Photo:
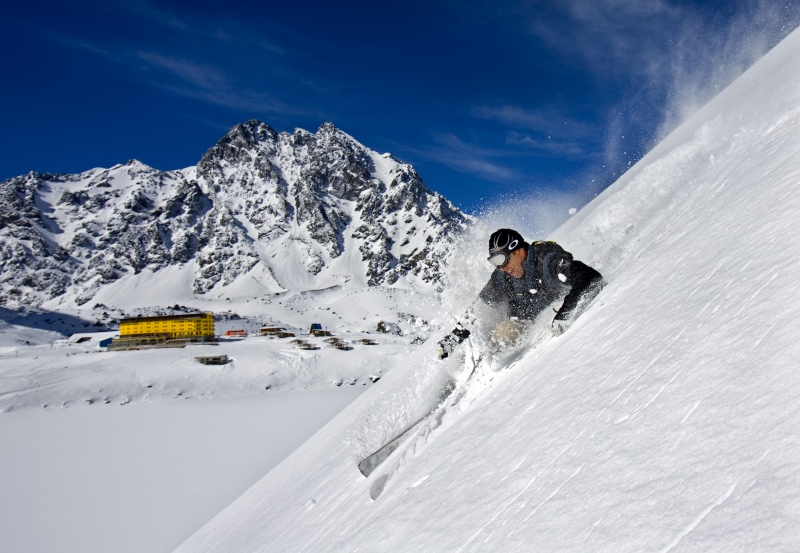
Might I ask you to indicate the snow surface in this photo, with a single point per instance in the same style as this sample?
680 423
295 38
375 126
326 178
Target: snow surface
666 419
142 477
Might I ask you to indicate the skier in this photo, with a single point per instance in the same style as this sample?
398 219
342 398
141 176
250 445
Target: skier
528 278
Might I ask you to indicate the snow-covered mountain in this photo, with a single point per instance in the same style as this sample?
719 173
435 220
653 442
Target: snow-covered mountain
667 417
287 212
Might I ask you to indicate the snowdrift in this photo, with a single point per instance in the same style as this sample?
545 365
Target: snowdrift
665 419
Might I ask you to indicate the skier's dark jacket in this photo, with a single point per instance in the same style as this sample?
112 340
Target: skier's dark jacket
550 275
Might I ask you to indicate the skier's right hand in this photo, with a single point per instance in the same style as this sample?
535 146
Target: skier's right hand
445 349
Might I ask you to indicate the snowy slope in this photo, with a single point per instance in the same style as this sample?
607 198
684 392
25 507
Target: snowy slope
666 419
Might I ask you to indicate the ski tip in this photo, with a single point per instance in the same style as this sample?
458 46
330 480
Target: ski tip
368 466
377 487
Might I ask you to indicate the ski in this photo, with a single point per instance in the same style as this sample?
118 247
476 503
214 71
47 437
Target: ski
368 465
428 423
490 360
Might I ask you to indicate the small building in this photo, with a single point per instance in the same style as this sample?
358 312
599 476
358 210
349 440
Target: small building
316 330
236 333
105 343
341 345
95 339
212 359
307 345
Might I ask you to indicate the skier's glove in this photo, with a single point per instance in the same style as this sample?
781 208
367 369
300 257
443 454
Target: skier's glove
449 342
560 325
445 349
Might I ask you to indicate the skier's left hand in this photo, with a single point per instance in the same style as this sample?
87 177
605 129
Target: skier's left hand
449 342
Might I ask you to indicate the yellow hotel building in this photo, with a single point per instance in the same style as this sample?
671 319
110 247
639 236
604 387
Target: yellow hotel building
170 327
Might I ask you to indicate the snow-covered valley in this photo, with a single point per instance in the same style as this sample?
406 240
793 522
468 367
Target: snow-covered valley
144 476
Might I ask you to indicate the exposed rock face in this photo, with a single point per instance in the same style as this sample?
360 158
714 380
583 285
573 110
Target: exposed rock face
307 210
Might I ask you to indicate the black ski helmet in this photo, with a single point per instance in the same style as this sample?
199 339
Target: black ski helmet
501 243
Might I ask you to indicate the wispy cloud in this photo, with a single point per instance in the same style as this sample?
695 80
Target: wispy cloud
672 55
226 30
611 37
548 146
203 76
607 38
150 12
548 130
170 62
728 48
86 46
542 119
468 158
211 84
667 57
199 81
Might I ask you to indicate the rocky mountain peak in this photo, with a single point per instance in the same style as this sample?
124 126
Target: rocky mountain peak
299 211
241 141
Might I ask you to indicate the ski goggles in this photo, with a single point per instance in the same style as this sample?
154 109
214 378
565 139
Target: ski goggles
499 258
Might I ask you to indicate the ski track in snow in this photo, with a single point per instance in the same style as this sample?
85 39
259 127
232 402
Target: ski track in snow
748 304
655 397
696 522
692 410
766 333
514 500
553 494
638 376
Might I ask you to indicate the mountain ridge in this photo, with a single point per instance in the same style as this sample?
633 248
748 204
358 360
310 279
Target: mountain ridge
297 211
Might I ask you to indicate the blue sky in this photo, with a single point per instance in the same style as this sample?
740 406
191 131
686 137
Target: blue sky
488 100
